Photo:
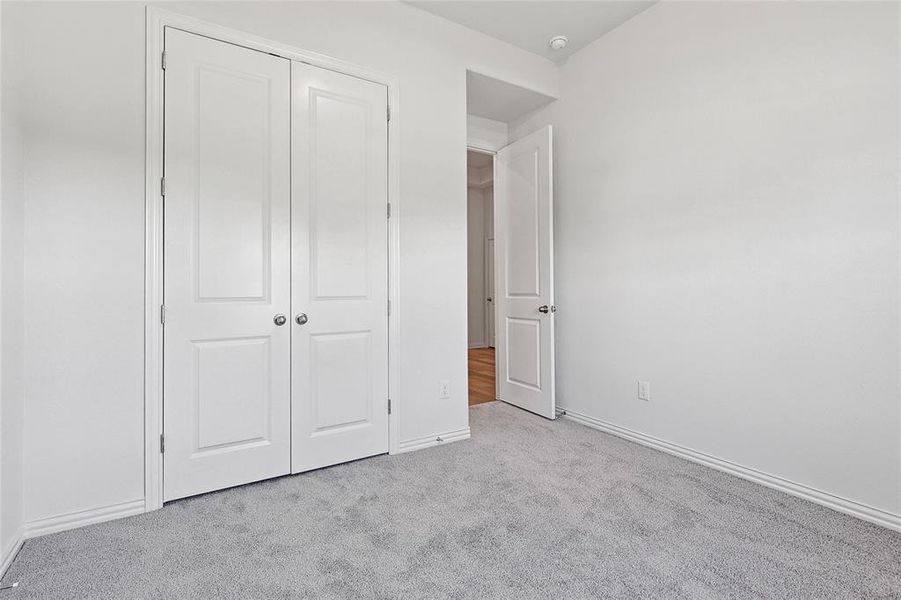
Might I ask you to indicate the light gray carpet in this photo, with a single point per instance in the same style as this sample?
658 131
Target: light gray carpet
528 508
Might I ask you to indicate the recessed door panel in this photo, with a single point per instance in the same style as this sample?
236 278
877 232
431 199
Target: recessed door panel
339 250
231 393
524 355
227 265
339 128
524 213
232 192
341 390
523 242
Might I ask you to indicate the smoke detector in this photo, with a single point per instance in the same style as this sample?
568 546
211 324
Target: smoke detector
558 42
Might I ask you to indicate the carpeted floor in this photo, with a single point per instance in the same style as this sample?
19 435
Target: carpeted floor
528 508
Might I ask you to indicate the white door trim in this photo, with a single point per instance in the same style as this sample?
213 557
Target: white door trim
157 20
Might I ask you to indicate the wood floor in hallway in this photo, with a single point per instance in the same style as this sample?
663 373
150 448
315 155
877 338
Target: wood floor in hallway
481 375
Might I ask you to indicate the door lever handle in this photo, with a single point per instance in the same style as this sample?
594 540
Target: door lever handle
545 309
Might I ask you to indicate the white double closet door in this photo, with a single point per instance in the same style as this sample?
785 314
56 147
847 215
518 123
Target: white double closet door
276 296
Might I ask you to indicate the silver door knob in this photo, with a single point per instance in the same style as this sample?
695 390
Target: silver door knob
301 319
545 309
280 319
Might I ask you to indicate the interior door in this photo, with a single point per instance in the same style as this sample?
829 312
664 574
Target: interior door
340 265
524 233
227 272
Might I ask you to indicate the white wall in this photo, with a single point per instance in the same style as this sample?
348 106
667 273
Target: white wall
728 229
84 169
11 287
84 229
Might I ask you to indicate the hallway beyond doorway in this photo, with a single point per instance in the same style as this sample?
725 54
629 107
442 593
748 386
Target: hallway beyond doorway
481 376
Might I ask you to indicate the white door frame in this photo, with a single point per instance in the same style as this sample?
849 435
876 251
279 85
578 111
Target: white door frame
157 20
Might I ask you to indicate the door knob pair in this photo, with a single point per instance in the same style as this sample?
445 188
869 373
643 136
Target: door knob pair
281 319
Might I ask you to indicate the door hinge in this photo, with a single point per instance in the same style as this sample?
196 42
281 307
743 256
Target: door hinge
162 444
389 210
389 308
388 112
163 60
389 406
163 314
162 186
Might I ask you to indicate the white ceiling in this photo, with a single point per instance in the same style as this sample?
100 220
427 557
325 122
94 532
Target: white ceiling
531 24
495 99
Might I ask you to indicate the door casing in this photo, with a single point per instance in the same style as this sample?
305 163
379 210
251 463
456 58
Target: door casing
156 20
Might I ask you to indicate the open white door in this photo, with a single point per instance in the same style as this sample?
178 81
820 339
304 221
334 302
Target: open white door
524 234
227 265
340 264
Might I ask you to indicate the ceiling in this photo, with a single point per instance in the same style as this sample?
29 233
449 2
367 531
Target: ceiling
495 99
530 25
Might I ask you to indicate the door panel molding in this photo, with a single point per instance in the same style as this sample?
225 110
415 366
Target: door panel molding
157 19
206 440
324 420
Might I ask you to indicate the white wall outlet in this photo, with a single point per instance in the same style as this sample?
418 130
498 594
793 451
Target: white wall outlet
644 391
444 389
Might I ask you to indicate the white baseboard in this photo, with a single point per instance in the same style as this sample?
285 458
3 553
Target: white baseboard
73 520
433 440
849 507
478 345
9 554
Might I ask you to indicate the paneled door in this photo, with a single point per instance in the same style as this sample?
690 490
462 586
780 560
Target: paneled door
523 232
340 266
227 265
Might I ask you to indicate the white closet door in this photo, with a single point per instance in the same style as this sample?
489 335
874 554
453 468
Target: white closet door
227 271
340 267
524 231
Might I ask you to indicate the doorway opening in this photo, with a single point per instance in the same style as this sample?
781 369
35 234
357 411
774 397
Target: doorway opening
510 235
480 285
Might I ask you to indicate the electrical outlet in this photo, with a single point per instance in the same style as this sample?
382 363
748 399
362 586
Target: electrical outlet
644 391
444 389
